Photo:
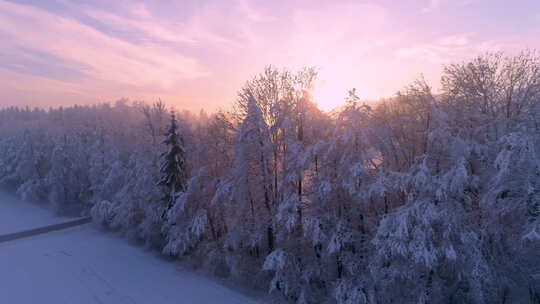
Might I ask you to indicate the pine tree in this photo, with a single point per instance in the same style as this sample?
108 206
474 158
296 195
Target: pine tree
173 165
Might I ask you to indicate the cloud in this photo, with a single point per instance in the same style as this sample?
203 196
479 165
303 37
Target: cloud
144 25
346 29
204 51
24 88
34 62
436 4
433 4
456 40
126 50
195 31
251 13
107 58
437 52
455 47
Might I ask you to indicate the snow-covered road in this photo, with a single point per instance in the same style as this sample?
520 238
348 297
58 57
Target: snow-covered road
83 265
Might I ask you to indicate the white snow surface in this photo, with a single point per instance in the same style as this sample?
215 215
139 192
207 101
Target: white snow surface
84 265
17 215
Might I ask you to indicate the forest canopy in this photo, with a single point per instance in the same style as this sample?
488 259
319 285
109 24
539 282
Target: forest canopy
418 198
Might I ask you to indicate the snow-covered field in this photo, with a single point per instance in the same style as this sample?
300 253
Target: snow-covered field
16 215
83 265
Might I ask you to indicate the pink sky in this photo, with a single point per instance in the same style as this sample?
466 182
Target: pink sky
197 54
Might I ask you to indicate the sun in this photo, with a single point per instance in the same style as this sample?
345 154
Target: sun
329 90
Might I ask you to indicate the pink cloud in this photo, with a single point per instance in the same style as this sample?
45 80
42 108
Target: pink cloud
202 57
433 4
110 59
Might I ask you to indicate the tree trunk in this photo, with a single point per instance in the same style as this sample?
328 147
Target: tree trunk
270 233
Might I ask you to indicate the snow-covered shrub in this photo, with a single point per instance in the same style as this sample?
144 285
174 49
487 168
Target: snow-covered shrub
102 214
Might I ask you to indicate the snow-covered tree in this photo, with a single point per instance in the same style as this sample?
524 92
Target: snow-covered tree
416 198
173 164
246 193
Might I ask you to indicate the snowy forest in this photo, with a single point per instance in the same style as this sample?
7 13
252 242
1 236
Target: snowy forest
418 198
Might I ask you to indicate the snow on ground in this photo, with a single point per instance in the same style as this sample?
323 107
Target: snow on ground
17 215
83 265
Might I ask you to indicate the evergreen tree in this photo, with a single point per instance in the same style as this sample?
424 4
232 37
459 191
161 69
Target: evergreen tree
173 165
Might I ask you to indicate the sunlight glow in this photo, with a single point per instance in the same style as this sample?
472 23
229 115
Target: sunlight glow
329 94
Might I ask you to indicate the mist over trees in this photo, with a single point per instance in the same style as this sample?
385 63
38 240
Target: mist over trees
419 198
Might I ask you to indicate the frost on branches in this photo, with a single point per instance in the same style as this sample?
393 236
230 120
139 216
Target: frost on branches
419 198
